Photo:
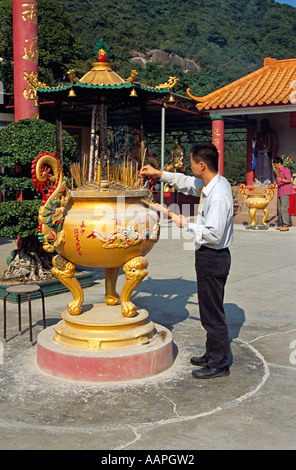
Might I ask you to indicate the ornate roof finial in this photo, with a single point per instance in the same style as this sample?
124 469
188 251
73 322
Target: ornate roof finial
101 51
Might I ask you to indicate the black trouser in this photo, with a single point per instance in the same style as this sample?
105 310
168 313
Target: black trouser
212 268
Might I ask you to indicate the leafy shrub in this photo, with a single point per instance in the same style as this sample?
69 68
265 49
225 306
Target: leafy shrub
19 218
20 143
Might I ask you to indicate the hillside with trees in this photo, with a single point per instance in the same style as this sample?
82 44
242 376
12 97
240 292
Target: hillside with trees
227 39
222 40
58 46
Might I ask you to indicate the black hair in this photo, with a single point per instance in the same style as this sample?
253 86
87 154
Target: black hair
278 160
207 153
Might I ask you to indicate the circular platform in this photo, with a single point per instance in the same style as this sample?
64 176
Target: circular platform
136 360
101 327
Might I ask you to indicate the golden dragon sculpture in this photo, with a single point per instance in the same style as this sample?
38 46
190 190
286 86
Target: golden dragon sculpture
48 179
55 195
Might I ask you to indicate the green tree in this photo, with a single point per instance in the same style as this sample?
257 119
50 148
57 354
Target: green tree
20 143
235 165
228 39
59 49
6 45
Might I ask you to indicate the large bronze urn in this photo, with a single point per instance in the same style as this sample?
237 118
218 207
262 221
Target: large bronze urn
104 222
257 197
109 227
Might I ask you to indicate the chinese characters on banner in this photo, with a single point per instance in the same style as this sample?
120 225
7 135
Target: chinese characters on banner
25 52
218 141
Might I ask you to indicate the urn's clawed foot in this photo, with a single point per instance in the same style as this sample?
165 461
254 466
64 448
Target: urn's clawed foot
135 271
74 307
253 211
111 276
266 213
64 270
128 309
112 299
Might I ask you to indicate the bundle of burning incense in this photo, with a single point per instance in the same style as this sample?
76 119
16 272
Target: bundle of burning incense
143 157
115 173
84 168
99 173
75 173
160 208
125 173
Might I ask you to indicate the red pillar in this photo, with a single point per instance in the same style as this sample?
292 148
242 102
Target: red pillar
251 135
218 140
25 57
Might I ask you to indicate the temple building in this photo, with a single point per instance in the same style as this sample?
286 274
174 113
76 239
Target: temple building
263 103
268 93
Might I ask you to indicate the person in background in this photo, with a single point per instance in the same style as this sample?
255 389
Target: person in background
213 233
285 188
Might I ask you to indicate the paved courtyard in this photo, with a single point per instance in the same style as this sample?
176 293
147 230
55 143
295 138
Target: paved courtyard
253 408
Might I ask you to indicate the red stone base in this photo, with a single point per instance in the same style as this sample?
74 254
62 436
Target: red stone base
105 366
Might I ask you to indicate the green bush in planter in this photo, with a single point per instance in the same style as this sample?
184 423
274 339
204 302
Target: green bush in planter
20 143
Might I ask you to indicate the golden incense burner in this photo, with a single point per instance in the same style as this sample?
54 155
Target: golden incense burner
106 221
257 197
106 225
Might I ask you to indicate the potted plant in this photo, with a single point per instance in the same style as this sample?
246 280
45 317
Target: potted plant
20 142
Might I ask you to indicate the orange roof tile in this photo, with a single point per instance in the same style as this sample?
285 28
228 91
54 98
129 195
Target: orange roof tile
269 85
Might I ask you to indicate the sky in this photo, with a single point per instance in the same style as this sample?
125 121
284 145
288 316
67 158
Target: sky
289 2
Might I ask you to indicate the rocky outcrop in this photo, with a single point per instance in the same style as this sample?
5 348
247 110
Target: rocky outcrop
157 55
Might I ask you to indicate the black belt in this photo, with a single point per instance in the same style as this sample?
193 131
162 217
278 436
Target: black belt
221 250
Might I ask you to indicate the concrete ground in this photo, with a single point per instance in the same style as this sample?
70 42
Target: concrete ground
253 408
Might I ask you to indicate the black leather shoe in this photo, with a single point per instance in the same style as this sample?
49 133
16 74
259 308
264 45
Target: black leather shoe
198 361
210 372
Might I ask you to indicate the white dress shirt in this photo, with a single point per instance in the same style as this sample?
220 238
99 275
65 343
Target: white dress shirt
213 226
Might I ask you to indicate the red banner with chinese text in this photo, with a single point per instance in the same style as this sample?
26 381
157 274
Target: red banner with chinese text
25 56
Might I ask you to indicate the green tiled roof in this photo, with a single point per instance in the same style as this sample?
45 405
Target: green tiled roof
68 86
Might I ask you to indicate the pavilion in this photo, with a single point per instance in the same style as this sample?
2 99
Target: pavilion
269 93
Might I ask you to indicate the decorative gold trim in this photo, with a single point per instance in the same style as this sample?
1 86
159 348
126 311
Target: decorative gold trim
169 84
30 13
132 77
31 52
32 79
72 76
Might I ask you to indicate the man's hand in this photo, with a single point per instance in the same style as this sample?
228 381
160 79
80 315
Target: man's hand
180 220
148 170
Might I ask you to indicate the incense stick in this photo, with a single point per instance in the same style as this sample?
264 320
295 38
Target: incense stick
75 173
160 208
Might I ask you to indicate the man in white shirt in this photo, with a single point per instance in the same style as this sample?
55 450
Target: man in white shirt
213 232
